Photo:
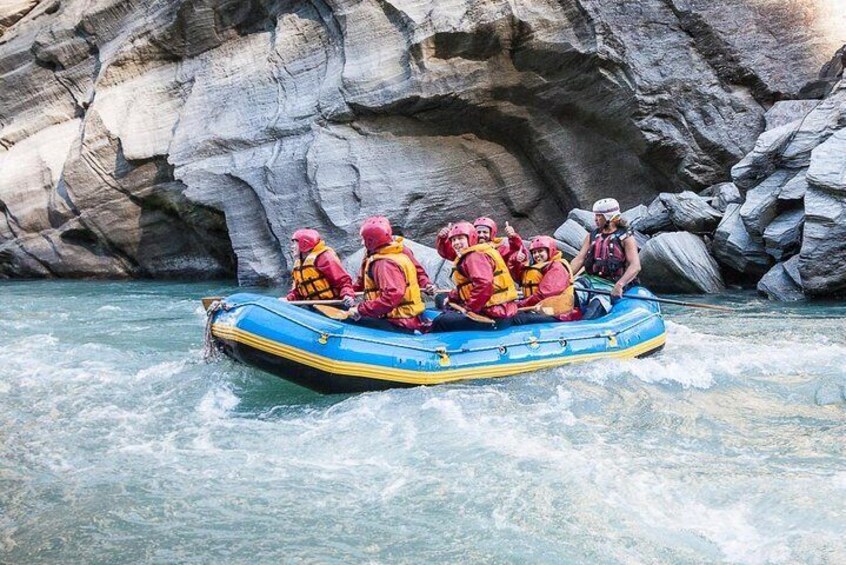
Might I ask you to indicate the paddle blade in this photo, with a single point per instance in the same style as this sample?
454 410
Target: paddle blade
209 300
332 312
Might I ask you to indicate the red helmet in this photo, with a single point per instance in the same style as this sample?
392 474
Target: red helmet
544 242
306 239
486 222
466 229
376 232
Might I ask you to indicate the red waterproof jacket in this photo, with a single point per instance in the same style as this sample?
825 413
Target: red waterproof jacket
392 286
480 269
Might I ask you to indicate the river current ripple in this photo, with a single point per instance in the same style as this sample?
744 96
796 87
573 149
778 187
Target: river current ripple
119 444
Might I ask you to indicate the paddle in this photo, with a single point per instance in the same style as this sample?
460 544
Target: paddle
332 312
550 305
472 315
315 302
661 300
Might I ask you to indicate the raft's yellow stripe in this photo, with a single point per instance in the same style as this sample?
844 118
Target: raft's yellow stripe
352 369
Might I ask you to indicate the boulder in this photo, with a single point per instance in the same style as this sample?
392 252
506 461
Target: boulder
784 112
572 233
584 218
795 188
568 251
826 118
761 204
679 262
634 214
783 236
656 219
822 260
690 212
736 249
765 157
791 267
777 284
436 266
721 195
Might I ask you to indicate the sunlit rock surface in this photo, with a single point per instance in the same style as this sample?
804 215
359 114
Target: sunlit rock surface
166 138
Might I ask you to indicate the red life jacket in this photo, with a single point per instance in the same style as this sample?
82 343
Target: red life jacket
606 256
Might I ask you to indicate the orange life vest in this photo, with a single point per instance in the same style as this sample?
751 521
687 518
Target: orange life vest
504 288
412 302
309 282
533 275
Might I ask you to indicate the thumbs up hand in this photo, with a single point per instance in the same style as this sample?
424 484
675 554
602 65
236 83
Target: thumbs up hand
509 231
445 231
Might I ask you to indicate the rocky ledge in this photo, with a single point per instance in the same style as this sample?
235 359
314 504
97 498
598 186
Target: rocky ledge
780 224
190 137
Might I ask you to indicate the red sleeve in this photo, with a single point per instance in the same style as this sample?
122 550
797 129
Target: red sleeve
515 243
422 277
329 264
292 295
554 282
392 284
478 268
445 249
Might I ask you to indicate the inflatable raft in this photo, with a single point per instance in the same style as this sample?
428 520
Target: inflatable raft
329 356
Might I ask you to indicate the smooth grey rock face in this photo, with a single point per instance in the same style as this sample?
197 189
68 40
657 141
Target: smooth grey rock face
175 138
823 256
761 205
572 233
826 118
778 285
735 248
690 212
763 160
795 188
656 219
784 112
633 215
584 218
783 236
679 262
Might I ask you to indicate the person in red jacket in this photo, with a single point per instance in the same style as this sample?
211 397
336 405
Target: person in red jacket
392 299
483 284
423 281
511 249
317 273
548 276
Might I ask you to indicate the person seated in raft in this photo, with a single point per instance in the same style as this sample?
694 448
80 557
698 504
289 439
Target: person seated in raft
423 281
609 256
392 299
318 273
511 249
549 275
483 284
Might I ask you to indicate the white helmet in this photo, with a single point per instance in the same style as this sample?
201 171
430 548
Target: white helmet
608 207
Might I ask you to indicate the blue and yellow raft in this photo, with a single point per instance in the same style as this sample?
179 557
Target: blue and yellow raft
329 356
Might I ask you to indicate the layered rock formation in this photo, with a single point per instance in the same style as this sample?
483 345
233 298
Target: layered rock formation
174 138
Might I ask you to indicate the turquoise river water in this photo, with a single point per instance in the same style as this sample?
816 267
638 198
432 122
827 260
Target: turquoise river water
119 444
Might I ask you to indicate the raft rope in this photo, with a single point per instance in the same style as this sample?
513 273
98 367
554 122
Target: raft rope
324 335
211 352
